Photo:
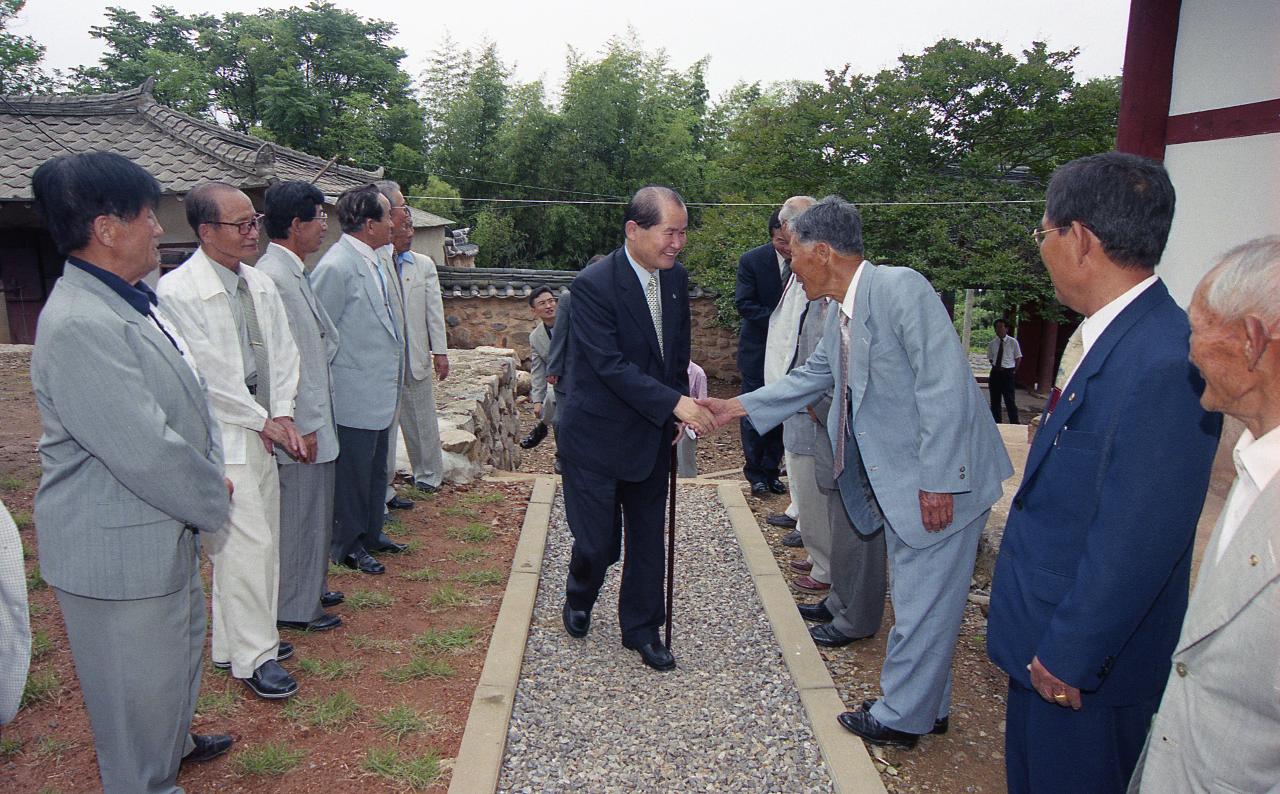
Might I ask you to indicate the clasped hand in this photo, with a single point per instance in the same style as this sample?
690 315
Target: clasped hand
280 430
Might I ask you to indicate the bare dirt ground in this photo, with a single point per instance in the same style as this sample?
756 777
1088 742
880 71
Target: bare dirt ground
383 699
969 757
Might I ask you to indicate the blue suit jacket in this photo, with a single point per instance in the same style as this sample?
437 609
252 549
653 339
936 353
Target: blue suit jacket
1093 570
618 408
756 294
918 420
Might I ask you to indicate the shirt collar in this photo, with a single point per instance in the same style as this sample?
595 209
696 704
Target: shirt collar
641 273
230 279
362 248
405 256
292 257
1259 459
851 294
139 295
1093 325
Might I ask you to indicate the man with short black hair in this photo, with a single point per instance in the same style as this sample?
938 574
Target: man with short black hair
295 221
1091 582
131 470
542 395
1005 354
357 293
238 330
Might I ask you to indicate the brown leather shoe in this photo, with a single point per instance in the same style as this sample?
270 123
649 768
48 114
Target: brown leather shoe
808 584
801 566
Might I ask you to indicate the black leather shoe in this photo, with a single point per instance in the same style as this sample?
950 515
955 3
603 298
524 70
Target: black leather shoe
656 655
271 681
323 623
208 747
869 728
829 636
535 436
424 487
759 489
283 651
940 725
363 563
793 540
816 612
576 621
388 546
398 502
332 598
780 520
776 486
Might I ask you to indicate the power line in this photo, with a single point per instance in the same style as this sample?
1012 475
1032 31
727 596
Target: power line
539 202
424 172
36 124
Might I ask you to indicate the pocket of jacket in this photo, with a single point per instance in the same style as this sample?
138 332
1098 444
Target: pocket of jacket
122 513
1078 440
1050 586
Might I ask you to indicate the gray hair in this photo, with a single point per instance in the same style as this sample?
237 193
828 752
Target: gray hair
386 187
833 221
1247 281
793 206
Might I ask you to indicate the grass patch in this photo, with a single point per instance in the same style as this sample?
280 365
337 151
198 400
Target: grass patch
484 498
37 610
447 596
40 644
415 771
433 641
40 687
11 482
475 532
403 720
411 546
34 580
329 713
274 758
394 526
487 577
328 669
339 570
21 519
416 494
10 747
218 704
458 511
51 748
363 642
368 599
417 668
421 575
470 555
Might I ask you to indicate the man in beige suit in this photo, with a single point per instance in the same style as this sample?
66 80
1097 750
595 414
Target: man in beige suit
1218 727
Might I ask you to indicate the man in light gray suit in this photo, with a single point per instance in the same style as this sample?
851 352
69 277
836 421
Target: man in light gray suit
1218 726
132 470
358 296
294 219
916 452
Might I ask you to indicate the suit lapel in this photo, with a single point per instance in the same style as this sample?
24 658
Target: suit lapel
635 300
1251 561
860 337
372 290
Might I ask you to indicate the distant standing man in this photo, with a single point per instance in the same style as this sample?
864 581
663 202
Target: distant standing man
628 375
1091 582
295 221
239 334
542 393
761 273
132 469
357 293
1005 354
1218 728
915 453
428 357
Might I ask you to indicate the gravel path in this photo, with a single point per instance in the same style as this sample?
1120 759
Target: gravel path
589 716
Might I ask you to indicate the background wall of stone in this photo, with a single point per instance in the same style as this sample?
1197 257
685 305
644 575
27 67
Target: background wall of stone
505 322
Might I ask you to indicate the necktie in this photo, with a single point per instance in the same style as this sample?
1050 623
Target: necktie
655 309
263 395
786 270
999 363
843 396
1070 357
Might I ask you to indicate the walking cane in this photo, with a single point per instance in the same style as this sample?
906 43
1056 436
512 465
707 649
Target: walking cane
671 544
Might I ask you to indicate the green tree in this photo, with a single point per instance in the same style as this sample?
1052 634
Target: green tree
495 233
20 56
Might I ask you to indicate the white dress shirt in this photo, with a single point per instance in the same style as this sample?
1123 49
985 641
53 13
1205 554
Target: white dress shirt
1008 356
194 297
1093 326
1257 463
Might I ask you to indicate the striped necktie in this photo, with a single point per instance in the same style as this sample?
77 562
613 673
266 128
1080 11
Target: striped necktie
655 309
259 348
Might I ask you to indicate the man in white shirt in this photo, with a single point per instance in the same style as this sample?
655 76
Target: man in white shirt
236 326
1218 728
1005 354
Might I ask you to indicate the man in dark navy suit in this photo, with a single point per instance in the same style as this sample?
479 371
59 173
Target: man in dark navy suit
1091 583
628 386
759 287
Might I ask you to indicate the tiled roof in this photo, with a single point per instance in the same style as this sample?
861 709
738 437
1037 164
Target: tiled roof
179 150
513 282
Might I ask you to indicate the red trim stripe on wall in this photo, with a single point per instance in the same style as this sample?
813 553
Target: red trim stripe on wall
1255 118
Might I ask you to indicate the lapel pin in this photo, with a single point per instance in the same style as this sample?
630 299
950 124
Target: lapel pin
1071 396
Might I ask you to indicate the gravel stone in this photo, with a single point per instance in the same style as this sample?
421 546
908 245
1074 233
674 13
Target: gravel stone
589 716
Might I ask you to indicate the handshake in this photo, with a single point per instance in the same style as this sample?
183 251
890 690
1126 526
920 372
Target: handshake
708 414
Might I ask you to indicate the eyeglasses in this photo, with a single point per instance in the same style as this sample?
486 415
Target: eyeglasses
1038 234
319 216
402 208
244 227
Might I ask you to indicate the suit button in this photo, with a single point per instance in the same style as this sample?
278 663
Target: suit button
1182 669
962 469
962 476
1253 559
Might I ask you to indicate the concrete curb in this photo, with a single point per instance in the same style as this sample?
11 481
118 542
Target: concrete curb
484 741
848 762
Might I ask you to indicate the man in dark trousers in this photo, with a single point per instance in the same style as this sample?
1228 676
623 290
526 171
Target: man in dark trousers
1005 354
761 273
628 386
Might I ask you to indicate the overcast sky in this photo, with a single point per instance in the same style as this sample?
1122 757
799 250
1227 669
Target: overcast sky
746 39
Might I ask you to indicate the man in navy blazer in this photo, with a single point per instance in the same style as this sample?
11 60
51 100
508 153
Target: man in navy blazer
628 384
1091 582
756 294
